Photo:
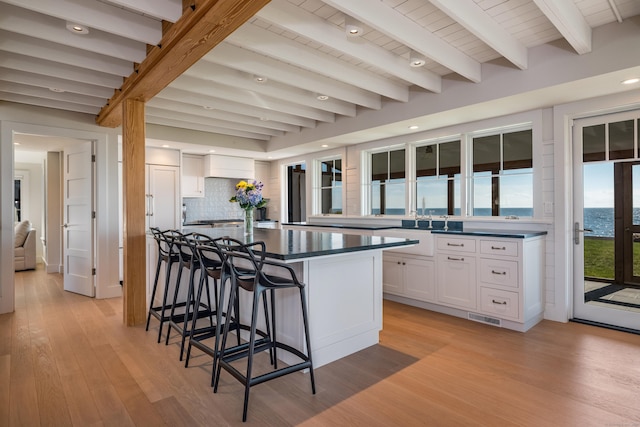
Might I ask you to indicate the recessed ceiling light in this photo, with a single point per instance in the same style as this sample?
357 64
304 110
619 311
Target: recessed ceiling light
260 79
165 145
212 151
416 59
324 145
264 119
322 97
77 28
207 107
414 127
56 89
269 157
352 27
16 143
630 81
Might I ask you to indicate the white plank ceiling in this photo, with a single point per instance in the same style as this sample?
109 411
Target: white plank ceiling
298 47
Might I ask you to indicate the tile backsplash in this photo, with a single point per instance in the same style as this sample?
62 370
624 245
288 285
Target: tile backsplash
215 203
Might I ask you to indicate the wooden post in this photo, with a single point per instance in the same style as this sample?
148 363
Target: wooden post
133 189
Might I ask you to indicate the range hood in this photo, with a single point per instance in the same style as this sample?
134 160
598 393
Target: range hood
228 167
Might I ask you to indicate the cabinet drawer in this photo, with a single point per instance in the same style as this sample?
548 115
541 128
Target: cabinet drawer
498 247
500 303
499 272
456 244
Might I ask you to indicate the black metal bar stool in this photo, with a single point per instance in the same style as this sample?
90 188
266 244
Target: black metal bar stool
246 264
185 246
165 255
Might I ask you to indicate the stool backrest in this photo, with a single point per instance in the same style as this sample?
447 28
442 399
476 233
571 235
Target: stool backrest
244 261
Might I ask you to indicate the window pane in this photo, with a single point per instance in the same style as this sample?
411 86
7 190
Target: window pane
593 143
376 197
394 197
426 160
482 194
432 194
396 164
379 166
338 170
486 153
326 166
516 193
332 200
516 150
621 140
449 153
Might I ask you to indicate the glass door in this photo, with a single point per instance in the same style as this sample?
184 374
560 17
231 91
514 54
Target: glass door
607 220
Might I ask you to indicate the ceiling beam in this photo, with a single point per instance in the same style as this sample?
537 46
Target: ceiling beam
295 19
62 71
208 71
42 27
99 15
385 19
45 93
43 49
49 103
197 100
204 128
166 10
254 63
243 96
188 40
468 14
286 50
48 82
568 19
218 114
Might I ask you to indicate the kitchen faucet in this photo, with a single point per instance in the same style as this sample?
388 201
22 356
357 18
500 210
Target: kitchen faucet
430 219
446 218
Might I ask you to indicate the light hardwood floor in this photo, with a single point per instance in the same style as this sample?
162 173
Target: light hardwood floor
68 360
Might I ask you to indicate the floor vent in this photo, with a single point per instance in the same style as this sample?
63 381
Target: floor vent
485 319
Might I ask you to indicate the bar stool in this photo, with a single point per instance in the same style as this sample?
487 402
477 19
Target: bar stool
165 255
214 266
185 246
255 280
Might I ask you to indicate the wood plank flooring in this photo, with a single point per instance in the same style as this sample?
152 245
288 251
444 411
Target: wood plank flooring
67 360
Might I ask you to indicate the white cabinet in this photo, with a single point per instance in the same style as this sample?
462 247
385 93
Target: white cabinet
192 175
228 167
510 277
409 276
456 279
163 196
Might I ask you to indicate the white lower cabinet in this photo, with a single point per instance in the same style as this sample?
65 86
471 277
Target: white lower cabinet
495 280
457 280
409 276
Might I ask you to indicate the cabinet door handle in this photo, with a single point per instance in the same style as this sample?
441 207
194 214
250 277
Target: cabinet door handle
455 259
502 273
399 263
459 245
496 248
499 302
404 263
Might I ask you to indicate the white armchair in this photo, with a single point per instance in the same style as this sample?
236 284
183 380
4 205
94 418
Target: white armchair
24 246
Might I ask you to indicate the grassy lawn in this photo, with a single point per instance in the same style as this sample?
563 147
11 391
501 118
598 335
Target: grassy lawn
599 258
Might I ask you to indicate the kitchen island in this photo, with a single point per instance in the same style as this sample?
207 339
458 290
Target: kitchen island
343 277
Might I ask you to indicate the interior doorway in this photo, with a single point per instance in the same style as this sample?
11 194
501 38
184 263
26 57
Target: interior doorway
607 220
296 193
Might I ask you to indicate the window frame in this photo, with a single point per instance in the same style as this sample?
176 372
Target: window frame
318 187
367 182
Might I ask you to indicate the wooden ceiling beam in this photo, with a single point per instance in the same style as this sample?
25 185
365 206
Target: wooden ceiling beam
198 31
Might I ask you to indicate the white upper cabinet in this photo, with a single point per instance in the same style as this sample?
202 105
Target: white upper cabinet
228 167
192 175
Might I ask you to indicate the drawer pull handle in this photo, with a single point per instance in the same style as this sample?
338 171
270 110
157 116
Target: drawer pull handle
459 245
499 302
497 248
455 259
501 273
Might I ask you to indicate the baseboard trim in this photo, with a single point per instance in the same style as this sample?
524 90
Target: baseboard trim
606 326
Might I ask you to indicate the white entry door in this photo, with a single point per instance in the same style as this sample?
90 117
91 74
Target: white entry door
77 217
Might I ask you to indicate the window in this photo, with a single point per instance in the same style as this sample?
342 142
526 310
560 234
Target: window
438 178
387 193
330 186
503 174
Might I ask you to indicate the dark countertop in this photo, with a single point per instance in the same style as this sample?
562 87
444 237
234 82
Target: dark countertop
455 228
519 234
296 244
213 221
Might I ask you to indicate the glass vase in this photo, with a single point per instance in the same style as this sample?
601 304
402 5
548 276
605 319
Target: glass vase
248 222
